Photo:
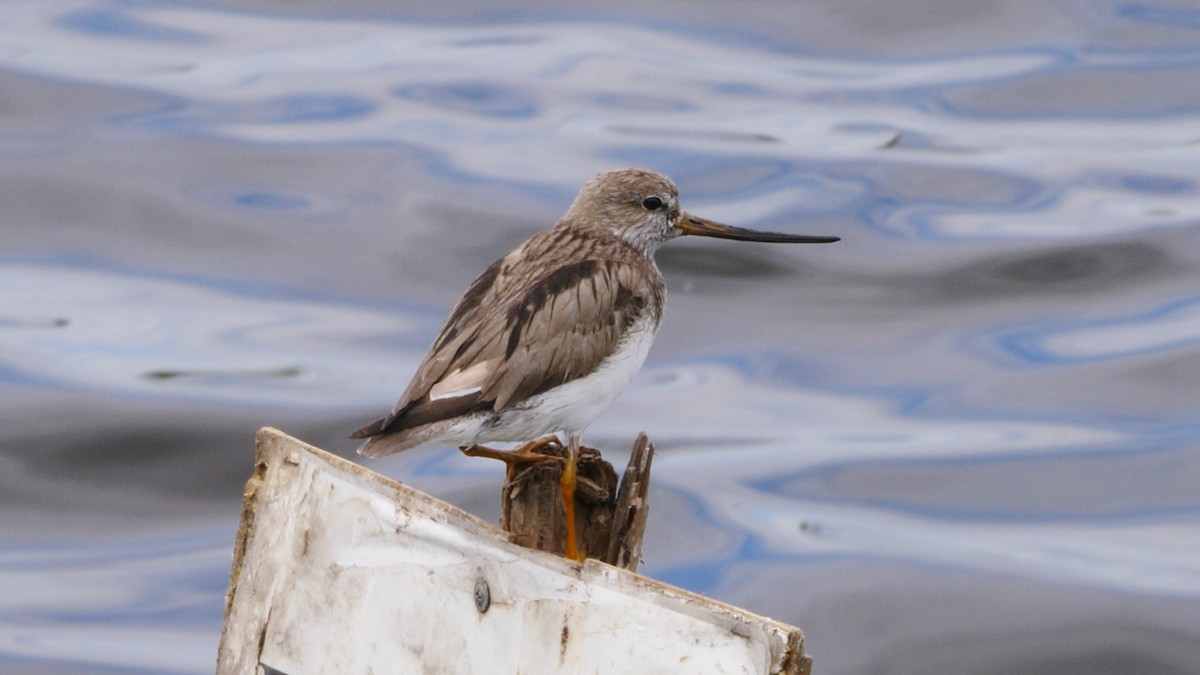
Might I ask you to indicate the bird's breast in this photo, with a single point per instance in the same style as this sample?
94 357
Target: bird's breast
572 406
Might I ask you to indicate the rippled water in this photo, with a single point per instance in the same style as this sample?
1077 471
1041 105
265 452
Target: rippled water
965 439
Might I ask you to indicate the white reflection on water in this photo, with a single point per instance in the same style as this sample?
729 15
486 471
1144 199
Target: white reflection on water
1145 555
144 604
696 405
138 334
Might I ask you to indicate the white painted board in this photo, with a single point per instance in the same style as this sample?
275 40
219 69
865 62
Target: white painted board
340 570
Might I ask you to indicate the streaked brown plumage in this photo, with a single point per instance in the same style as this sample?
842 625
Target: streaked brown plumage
534 329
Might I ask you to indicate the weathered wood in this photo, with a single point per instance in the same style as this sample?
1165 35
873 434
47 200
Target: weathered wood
610 519
340 570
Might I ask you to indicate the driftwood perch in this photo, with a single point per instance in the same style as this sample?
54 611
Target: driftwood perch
340 570
610 519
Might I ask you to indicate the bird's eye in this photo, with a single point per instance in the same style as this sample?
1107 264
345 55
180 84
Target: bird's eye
652 203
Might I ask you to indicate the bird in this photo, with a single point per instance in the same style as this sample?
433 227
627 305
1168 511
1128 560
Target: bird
548 336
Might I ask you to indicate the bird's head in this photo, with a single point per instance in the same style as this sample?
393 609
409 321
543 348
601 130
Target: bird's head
642 208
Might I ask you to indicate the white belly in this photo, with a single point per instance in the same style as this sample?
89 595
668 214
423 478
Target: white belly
568 408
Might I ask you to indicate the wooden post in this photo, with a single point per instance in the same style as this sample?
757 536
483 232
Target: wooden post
609 519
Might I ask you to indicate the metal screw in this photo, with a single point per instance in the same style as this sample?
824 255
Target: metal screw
483 595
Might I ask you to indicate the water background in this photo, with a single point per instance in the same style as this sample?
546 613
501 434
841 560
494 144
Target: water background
966 439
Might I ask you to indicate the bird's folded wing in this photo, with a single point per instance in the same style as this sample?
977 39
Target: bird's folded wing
566 326
500 346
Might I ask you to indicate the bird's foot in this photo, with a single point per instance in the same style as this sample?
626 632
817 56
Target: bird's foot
525 454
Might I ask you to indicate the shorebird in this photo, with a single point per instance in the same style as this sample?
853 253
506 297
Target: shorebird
544 340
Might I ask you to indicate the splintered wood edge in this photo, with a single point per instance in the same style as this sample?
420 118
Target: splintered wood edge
273 446
633 507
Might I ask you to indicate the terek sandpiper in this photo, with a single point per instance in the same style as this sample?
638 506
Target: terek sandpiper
544 340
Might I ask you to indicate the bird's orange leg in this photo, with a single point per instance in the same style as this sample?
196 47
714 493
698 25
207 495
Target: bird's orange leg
574 552
526 454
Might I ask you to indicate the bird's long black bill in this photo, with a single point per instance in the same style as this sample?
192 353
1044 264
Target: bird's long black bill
702 227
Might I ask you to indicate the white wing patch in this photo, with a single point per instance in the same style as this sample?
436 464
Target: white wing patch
463 381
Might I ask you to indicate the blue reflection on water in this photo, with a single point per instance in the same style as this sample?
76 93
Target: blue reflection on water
267 200
185 117
480 98
1174 17
308 108
1153 183
113 23
1171 326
